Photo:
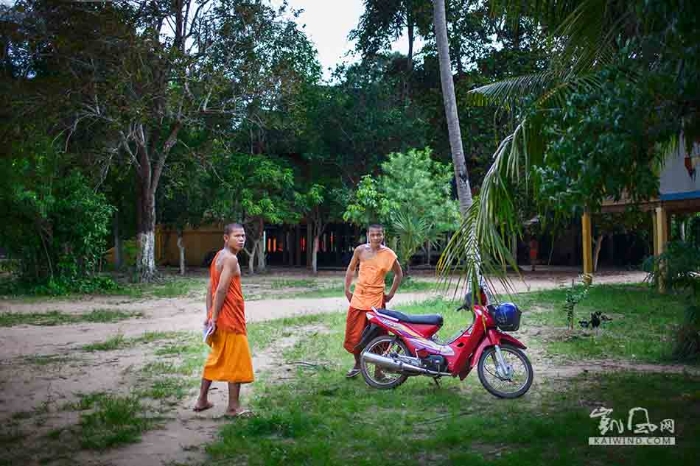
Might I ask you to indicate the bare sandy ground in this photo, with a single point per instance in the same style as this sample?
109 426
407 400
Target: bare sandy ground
186 314
26 386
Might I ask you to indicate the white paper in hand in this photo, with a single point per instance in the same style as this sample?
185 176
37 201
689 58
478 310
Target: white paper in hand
207 331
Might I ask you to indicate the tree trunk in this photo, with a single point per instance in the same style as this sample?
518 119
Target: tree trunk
682 229
428 252
118 250
145 260
262 263
596 252
289 247
309 244
314 256
448 95
181 247
251 256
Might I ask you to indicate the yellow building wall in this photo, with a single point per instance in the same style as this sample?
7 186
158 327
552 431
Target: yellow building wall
198 243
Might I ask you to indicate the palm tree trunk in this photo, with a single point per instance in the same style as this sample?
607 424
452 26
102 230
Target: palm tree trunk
448 96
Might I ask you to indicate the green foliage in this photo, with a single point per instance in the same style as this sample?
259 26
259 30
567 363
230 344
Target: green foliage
678 266
413 231
253 187
412 197
55 223
368 204
600 146
574 295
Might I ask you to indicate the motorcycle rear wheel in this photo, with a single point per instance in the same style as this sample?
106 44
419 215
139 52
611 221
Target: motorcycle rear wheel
381 377
499 386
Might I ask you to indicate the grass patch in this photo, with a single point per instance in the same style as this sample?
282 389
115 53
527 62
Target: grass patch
294 283
150 337
641 329
46 360
51 318
322 418
116 421
113 343
170 387
118 341
166 287
86 401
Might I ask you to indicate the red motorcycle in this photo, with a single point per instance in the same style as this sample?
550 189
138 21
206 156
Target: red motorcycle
397 346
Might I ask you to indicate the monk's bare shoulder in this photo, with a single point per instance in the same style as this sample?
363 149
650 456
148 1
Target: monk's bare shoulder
231 260
361 251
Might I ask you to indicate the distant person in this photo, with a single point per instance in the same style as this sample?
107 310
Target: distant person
375 261
229 359
534 252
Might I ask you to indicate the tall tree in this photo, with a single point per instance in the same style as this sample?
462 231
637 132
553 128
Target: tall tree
613 56
143 71
450 100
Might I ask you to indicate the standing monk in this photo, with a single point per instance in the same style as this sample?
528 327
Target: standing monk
375 261
229 359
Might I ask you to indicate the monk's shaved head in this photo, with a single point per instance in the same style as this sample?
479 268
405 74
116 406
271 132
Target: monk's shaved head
228 229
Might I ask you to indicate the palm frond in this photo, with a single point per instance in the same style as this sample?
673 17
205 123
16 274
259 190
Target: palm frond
478 249
508 90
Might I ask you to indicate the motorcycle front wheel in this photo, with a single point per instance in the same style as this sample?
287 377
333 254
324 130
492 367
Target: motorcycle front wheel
381 377
512 385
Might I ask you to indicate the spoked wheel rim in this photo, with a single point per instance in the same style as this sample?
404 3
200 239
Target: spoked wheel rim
381 377
511 385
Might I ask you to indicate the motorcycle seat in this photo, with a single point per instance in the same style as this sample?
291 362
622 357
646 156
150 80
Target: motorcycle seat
426 319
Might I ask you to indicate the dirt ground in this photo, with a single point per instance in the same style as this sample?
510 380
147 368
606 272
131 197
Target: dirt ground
28 382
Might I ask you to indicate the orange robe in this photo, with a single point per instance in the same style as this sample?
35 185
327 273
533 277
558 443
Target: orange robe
229 359
369 292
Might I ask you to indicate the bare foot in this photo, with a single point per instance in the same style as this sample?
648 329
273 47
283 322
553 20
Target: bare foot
202 407
240 412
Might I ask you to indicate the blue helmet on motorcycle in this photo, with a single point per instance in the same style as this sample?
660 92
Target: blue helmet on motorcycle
507 317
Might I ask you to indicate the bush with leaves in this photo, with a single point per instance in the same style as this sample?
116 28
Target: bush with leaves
411 197
55 224
574 295
679 268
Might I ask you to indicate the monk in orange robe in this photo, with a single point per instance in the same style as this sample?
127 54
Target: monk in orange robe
375 261
229 359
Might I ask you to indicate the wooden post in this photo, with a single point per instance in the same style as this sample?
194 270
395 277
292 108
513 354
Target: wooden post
654 235
586 231
297 246
661 238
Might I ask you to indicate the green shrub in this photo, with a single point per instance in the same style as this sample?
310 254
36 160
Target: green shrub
54 222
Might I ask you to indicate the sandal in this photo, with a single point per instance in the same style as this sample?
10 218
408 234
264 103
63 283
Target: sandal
352 373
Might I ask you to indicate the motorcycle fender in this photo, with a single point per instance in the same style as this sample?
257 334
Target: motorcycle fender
508 339
494 338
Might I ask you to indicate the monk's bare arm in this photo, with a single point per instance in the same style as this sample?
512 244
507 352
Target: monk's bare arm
229 270
209 297
398 276
208 303
350 272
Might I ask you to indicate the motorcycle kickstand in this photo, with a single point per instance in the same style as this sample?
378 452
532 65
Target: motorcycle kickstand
435 379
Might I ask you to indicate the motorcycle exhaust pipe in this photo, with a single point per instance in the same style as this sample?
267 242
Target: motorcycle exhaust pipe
398 366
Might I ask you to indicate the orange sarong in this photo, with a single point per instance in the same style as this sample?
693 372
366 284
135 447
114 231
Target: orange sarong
229 359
